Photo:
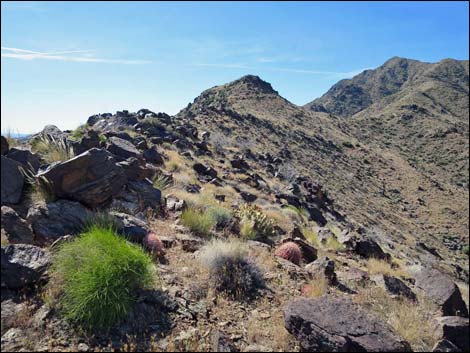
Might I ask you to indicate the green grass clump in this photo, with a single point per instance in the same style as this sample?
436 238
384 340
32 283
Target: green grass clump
198 221
99 274
162 182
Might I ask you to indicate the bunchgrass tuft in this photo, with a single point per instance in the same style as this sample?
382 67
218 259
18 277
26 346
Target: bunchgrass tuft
199 222
99 274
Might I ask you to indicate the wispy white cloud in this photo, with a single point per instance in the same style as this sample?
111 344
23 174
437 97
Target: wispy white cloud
87 56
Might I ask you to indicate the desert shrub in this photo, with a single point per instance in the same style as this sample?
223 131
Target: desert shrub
99 274
220 215
247 228
230 270
289 251
52 149
301 214
311 236
162 182
103 138
251 216
78 133
198 221
333 244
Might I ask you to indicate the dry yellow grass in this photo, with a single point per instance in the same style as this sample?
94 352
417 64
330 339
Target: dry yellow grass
375 266
317 287
410 320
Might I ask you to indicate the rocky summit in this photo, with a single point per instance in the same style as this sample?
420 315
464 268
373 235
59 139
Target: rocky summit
246 223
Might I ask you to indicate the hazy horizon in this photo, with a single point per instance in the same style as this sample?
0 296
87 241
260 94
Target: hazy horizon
62 62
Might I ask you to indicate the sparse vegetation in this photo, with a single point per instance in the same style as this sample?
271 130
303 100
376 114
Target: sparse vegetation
220 215
230 270
162 182
199 222
376 266
52 149
99 274
316 287
254 222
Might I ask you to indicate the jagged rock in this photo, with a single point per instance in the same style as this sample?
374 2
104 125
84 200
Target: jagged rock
12 181
454 329
394 286
23 265
10 312
90 140
53 220
295 272
122 149
27 159
132 228
91 177
17 230
239 163
153 156
333 324
248 197
136 197
316 214
4 146
364 246
203 170
175 204
443 291
323 267
51 131
136 170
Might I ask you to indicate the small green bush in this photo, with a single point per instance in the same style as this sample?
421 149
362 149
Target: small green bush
199 222
99 274
251 216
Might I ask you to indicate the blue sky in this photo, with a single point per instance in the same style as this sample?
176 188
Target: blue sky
63 61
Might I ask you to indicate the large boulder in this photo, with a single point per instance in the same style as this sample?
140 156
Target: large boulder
23 265
394 286
16 229
27 159
136 170
91 177
331 324
53 220
122 148
443 291
12 181
4 146
454 329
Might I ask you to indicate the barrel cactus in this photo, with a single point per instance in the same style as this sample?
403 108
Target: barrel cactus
153 244
289 251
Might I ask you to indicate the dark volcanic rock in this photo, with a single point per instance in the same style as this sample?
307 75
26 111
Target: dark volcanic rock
454 329
23 265
27 159
122 148
130 227
329 324
12 181
16 228
136 170
56 219
91 178
443 291
324 267
4 146
151 155
203 170
394 286
445 346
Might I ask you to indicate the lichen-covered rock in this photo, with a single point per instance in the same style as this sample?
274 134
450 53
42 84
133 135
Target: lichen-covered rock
91 178
12 181
53 220
443 291
330 324
289 251
23 265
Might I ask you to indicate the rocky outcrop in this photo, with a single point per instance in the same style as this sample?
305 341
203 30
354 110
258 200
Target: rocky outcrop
23 265
53 220
454 329
443 291
91 178
151 155
330 324
394 286
323 267
12 181
16 229
130 227
122 149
